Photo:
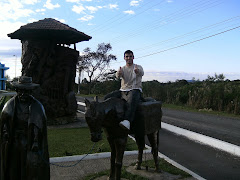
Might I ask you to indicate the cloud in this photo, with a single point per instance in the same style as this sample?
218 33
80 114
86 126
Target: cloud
134 3
30 1
49 5
86 18
165 76
129 12
32 20
77 1
112 6
8 27
13 62
61 20
92 9
73 1
90 24
13 10
78 9
40 10
7 56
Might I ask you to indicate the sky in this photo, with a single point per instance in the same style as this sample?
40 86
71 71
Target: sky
171 39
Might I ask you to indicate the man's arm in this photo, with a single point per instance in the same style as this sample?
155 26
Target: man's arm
139 70
119 73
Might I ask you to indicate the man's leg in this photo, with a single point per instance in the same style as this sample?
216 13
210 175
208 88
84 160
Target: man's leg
116 94
133 99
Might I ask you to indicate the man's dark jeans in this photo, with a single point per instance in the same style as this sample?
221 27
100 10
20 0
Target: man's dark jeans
132 98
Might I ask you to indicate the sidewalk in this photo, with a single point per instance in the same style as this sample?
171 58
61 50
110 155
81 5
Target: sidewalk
90 165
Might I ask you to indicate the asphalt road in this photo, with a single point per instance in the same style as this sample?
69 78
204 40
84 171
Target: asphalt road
216 126
206 161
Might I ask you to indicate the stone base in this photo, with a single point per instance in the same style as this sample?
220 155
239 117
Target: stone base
151 174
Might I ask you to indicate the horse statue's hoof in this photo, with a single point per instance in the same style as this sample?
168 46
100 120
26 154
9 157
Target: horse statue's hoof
138 166
158 170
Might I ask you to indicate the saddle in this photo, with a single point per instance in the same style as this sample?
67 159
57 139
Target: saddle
148 117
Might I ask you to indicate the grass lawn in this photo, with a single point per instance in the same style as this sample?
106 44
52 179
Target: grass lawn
191 109
76 141
164 165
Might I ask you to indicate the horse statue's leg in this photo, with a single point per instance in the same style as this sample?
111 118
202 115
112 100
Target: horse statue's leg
141 144
120 145
113 158
154 141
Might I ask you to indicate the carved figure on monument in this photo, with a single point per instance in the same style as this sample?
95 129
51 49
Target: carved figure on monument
49 60
53 67
24 147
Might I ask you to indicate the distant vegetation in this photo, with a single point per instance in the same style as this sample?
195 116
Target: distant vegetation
214 93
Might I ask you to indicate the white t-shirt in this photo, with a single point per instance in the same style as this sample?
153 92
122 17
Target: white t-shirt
131 80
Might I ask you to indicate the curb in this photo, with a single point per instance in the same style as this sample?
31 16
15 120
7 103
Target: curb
91 156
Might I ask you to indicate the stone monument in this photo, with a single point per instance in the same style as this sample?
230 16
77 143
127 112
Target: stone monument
49 60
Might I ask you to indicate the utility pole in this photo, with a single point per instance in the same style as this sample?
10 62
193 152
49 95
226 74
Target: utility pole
79 76
80 68
15 65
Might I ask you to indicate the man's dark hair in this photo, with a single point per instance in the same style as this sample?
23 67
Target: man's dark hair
128 52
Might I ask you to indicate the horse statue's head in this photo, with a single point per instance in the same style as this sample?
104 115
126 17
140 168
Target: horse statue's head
92 116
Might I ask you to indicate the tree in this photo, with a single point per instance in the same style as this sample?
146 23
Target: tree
109 76
95 63
81 65
8 83
216 77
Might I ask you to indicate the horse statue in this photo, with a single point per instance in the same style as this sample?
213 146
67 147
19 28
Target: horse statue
109 113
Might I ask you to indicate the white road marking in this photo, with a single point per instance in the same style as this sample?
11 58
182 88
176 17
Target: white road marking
207 140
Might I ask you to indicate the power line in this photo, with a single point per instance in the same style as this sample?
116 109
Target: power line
114 19
131 16
188 43
190 33
174 17
185 44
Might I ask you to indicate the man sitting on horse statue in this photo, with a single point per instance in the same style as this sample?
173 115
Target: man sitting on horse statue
131 87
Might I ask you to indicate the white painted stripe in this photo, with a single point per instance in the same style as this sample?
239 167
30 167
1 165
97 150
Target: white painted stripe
81 103
216 143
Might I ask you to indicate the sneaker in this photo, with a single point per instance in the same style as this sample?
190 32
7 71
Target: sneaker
125 124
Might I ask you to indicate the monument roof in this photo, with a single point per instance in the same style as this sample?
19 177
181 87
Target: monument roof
49 29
